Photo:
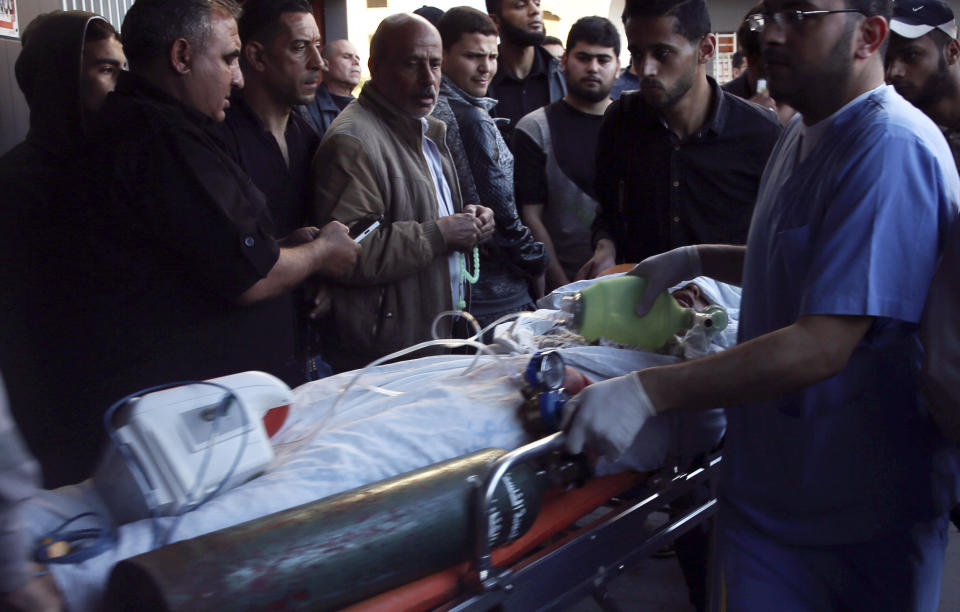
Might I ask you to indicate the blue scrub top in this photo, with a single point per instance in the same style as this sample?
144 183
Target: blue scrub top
849 223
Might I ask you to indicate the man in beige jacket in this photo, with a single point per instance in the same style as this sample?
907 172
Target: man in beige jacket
385 157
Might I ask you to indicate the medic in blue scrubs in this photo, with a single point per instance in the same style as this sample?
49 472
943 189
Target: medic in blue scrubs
836 483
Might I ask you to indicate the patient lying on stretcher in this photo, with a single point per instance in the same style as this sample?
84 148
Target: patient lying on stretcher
544 330
395 418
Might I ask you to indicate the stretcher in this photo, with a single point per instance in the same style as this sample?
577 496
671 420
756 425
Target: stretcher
304 559
406 415
559 562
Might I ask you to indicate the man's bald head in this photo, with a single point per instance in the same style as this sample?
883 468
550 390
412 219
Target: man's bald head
405 58
398 30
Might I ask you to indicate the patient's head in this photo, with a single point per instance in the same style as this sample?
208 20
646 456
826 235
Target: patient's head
690 296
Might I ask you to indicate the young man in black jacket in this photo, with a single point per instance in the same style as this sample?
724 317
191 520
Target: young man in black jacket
512 261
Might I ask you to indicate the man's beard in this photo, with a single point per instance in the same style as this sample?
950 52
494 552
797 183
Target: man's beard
672 95
807 85
586 94
936 87
520 37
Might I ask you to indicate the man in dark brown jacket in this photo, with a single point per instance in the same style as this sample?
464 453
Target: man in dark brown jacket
384 156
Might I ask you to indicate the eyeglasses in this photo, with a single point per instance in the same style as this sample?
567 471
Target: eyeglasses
787 19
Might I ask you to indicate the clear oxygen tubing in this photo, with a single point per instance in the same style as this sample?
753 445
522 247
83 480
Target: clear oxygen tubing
557 317
478 334
285 449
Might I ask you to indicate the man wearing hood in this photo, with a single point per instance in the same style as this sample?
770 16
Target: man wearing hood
69 62
513 262
61 94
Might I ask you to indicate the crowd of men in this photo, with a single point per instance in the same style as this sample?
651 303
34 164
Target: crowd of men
191 217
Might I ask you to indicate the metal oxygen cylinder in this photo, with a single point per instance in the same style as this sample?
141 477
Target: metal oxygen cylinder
607 309
327 554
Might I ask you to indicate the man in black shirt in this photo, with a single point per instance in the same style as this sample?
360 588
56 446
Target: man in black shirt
182 271
679 161
264 135
528 76
555 147
272 142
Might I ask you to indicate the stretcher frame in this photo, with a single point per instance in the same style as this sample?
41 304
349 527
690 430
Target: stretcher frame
559 561
580 563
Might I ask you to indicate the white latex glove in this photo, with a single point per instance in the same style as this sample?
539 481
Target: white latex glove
664 271
606 416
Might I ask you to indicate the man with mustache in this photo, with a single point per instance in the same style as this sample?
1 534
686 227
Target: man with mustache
341 75
281 63
679 161
528 76
836 483
385 158
270 140
555 149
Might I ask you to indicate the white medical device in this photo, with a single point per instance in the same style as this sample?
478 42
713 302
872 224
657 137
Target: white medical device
183 443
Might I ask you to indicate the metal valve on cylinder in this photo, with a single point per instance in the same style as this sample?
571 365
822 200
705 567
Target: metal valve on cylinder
543 392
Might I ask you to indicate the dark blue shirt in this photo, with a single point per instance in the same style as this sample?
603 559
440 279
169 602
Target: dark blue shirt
323 109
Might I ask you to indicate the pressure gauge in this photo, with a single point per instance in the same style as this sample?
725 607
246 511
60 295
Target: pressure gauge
545 371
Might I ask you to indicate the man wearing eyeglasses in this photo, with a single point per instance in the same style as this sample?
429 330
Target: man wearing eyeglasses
836 483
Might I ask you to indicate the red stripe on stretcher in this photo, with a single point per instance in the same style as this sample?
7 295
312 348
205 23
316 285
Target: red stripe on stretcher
558 513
